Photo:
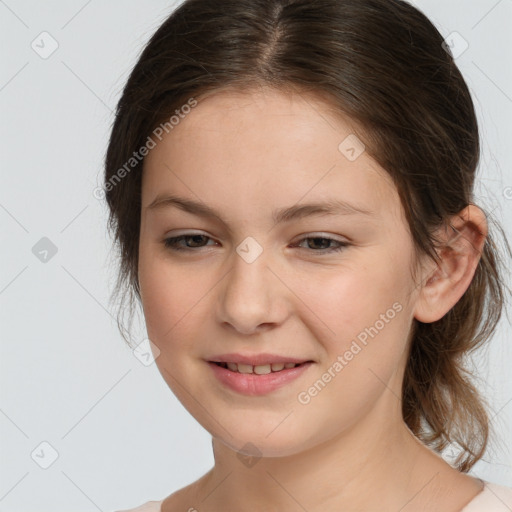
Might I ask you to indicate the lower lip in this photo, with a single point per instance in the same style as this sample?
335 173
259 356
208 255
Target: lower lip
253 384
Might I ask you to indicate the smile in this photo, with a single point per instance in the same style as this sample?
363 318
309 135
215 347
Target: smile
254 380
262 369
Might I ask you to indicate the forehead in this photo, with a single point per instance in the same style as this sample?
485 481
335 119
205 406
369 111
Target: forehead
268 146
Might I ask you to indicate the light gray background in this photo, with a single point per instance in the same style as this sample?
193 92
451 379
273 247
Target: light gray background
67 378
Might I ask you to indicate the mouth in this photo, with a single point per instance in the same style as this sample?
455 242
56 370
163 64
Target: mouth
260 369
257 379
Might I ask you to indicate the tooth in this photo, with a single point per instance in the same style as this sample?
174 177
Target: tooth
289 365
262 369
232 366
276 367
245 368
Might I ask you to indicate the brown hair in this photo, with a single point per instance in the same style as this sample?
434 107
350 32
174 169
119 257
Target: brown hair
383 64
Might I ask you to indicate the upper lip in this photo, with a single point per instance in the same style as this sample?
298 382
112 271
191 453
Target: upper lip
256 359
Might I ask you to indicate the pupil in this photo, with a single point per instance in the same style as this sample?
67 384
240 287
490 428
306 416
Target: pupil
326 242
195 237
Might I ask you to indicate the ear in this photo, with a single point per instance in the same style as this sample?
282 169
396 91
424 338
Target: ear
445 283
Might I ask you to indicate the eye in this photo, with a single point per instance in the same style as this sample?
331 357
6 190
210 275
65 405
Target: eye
172 243
317 244
316 241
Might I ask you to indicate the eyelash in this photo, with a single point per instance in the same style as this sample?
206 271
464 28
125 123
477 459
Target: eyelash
172 243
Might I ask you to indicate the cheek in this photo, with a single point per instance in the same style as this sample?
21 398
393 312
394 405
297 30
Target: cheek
361 314
351 299
169 296
369 321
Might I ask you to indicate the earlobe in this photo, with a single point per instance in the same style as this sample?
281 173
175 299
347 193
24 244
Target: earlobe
447 281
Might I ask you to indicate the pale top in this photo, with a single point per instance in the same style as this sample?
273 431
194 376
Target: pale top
492 498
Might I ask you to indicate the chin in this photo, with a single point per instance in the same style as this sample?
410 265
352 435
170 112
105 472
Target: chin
261 438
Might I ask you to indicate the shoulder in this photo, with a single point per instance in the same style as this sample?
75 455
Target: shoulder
492 498
150 506
179 500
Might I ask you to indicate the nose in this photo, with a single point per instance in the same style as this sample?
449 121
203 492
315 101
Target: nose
251 298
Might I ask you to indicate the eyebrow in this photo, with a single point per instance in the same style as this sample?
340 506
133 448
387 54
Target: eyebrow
295 212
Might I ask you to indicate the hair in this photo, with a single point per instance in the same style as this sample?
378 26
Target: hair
383 65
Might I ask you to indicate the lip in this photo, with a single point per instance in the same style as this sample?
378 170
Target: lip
256 359
255 385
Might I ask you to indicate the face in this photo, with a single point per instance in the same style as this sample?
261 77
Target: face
251 274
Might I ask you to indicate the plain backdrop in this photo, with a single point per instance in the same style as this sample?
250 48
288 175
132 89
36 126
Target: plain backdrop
84 424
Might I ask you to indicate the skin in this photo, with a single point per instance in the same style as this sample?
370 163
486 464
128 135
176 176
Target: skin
245 154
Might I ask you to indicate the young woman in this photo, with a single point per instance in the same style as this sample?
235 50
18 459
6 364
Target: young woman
290 183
